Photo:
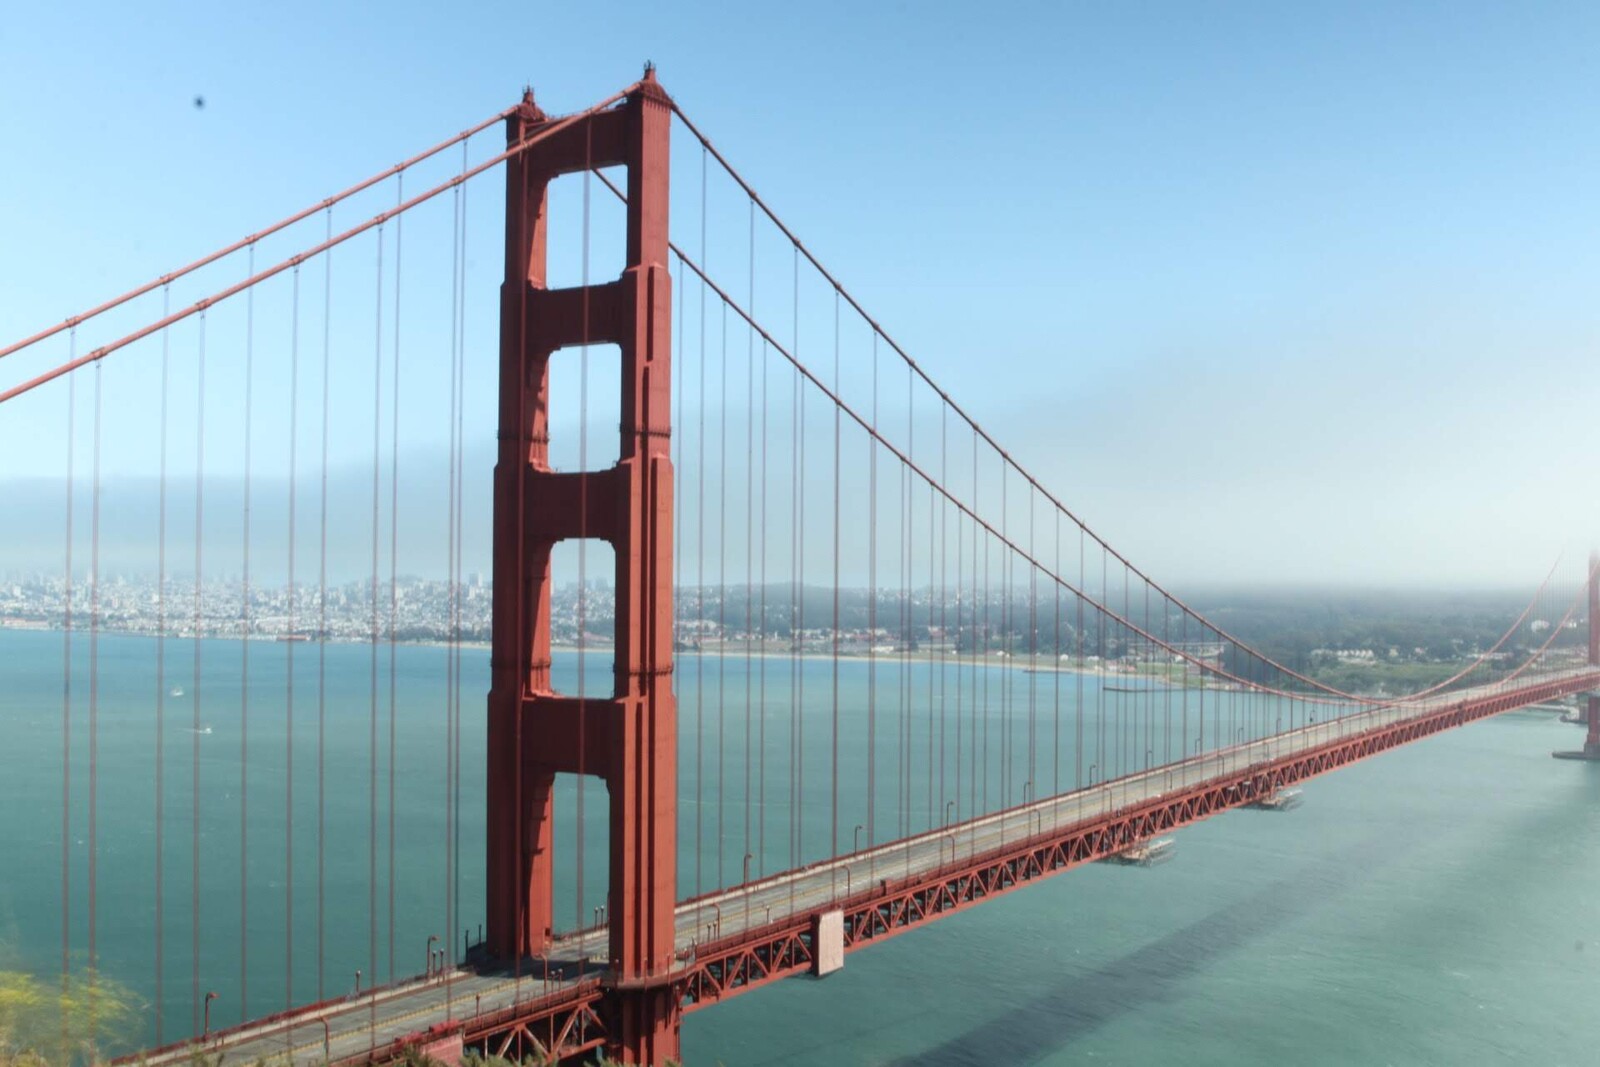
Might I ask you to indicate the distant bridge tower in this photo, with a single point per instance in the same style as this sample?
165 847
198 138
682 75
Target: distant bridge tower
1591 741
629 737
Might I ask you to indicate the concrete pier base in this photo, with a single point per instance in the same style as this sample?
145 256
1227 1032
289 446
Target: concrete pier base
1590 751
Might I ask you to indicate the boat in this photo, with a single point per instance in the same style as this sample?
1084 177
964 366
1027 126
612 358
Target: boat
175 691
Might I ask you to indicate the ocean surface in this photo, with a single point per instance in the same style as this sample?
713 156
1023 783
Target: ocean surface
1432 906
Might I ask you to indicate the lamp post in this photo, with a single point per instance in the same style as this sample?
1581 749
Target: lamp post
206 1028
947 806
431 939
859 828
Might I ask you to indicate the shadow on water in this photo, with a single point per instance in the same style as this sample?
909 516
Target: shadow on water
1081 1003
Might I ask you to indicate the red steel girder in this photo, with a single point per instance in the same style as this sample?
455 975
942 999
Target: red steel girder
743 962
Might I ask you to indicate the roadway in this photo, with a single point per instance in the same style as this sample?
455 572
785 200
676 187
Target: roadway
349 1028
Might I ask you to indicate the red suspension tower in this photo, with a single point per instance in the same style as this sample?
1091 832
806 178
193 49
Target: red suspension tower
1591 744
627 739
1591 741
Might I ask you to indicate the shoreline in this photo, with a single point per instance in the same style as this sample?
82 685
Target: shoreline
1041 665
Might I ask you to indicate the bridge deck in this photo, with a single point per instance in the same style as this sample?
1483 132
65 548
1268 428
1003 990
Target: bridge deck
356 1026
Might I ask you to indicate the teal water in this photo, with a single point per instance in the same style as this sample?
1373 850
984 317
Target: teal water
1425 907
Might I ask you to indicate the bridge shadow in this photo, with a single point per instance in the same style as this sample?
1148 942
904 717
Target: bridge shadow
1083 1002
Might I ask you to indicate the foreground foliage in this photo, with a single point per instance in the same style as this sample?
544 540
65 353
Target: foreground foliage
52 1022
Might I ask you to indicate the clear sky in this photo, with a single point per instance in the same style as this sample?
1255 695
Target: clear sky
1272 292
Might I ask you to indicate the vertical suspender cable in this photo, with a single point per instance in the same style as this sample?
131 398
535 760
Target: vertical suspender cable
749 538
722 597
244 656
837 423
1166 639
928 629
66 710
761 686
988 637
979 639
455 625
1033 658
394 547
908 521
194 696
1100 665
322 621
902 692
681 441
161 678
944 574
372 626
1078 647
94 701
960 576
288 733
1055 645
872 609
1183 723
700 571
1007 563
1127 718
800 536
796 612
680 433
453 592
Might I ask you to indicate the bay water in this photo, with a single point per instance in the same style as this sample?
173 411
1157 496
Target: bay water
1429 906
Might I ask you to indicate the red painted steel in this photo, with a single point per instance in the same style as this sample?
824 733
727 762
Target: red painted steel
749 960
585 1016
629 738
1591 744
333 241
246 242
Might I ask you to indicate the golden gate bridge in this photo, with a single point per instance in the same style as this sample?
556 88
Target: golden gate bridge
1032 700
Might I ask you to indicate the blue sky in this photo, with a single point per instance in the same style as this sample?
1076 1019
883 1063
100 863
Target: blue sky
1266 292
